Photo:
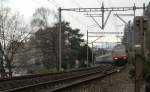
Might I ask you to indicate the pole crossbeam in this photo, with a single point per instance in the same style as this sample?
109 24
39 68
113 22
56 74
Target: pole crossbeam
105 42
102 35
106 32
124 14
93 16
102 9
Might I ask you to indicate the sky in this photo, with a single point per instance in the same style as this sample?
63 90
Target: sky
78 20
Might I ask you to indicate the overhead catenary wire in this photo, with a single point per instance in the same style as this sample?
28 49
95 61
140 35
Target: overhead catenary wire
68 14
79 6
114 19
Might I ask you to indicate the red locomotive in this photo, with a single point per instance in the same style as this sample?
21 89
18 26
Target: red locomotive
119 55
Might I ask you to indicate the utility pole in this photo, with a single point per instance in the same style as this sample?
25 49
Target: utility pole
99 37
102 8
92 54
60 49
87 50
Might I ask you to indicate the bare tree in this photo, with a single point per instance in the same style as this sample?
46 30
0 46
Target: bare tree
12 31
40 17
43 17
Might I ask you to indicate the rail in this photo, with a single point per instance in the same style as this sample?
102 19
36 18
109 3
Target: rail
65 82
23 81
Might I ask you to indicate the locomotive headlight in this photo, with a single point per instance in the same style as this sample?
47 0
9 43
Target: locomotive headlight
115 58
124 57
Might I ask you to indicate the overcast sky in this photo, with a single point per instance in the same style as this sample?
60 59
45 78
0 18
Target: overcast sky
78 20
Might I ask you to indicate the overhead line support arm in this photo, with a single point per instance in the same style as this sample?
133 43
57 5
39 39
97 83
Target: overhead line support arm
100 9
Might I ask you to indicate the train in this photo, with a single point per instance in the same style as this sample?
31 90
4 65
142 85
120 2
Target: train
119 55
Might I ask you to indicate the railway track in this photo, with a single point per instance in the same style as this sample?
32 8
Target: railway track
67 79
15 82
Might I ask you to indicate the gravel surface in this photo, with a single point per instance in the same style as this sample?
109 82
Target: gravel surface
119 82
